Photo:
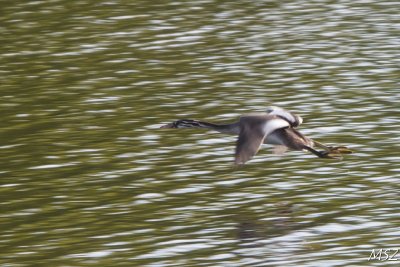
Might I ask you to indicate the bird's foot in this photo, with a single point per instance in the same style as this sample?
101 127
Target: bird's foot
330 155
340 150
335 152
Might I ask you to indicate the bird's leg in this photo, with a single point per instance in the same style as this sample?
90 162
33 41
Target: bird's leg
325 153
318 144
331 149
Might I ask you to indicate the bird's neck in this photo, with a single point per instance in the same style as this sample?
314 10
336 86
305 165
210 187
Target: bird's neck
232 128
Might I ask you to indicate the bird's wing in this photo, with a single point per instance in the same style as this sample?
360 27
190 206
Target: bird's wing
295 120
279 149
253 130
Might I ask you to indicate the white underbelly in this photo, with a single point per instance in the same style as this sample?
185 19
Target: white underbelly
273 139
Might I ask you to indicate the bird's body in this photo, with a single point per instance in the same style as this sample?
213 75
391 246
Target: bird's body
276 127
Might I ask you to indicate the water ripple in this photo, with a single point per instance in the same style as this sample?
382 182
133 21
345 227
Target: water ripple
89 178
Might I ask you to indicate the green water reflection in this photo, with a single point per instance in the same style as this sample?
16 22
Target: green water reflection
87 178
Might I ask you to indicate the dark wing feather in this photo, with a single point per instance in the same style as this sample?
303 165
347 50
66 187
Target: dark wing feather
253 130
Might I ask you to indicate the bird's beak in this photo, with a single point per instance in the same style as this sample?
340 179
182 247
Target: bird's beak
169 125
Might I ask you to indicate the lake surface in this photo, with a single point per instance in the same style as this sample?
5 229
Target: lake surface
87 178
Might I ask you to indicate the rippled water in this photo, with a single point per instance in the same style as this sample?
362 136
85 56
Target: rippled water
87 178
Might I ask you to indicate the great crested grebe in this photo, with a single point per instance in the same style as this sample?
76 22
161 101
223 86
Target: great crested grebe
275 127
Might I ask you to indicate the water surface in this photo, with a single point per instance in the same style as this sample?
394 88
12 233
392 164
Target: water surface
88 179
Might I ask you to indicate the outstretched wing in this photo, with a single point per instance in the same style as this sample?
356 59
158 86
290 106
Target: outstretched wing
253 130
293 119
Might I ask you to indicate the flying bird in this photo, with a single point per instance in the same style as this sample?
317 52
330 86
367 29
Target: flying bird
276 126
